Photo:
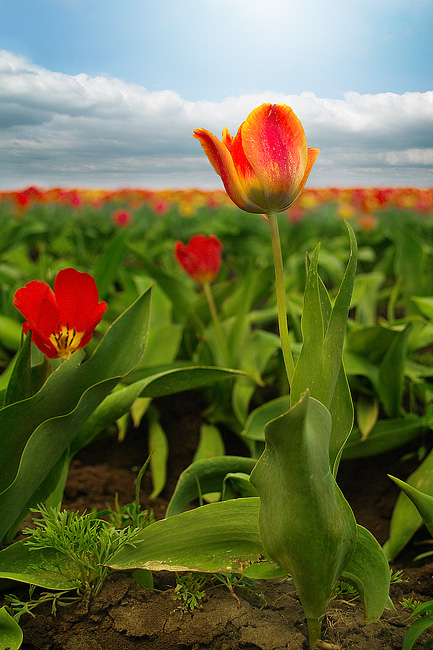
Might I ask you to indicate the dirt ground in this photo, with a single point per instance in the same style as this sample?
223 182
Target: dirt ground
126 617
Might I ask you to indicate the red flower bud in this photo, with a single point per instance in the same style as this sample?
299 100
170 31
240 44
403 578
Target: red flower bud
200 258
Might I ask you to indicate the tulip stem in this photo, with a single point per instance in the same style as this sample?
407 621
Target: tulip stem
215 319
281 296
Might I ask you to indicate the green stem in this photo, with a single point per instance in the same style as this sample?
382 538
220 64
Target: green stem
215 320
314 631
281 296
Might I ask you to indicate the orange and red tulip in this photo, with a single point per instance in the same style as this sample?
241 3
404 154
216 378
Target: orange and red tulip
266 165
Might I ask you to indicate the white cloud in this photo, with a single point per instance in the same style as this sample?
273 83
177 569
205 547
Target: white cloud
97 131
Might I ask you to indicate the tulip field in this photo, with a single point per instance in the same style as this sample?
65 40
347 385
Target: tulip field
248 376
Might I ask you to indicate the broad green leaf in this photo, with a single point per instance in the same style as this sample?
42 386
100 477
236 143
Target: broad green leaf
406 519
219 537
257 419
47 444
425 305
237 483
158 450
372 343
138 409
210 443
175 378
155 384
391 374
11 635
163 345
415 631
110 262
257 348
368 571
365 296
20 383
10 333
319 363
409 261
177 291
422 501
205 476
43 568
319 368
367 411
386 435
301 504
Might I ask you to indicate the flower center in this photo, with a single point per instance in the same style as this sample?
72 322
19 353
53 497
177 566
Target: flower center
66 340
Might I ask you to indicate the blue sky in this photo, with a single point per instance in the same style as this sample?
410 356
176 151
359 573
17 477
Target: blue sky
103 92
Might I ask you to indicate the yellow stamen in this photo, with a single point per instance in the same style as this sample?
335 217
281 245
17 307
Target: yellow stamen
66 341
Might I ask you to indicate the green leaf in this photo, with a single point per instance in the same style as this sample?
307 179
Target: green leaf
10 333
205 476
155 384
415 631
367 411
302 504
237 483
47 444
158 450
425 305
257 348
110 262
391 374
219 537
43 568
319 368
319 363
11 635
20 383
386 435
210 444
257 419
177 291
406 519
368 571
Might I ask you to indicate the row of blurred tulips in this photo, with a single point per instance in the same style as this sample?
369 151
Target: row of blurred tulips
360 203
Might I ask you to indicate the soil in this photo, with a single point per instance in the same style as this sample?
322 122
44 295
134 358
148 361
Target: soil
126 617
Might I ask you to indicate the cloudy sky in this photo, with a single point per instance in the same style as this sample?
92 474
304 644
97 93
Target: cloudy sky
103 93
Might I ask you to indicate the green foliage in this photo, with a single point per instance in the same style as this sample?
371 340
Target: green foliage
189 590
87 543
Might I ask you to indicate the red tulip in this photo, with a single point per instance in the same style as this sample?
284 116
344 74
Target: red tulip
200 258
122 218
266 165
63 320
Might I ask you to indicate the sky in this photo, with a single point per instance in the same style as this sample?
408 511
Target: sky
102 93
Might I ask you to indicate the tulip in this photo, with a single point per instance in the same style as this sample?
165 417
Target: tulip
266 165
122 218
200 258
63 320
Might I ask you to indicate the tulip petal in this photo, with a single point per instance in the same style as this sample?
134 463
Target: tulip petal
28 299
276 147
311 159
78 300
220 158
